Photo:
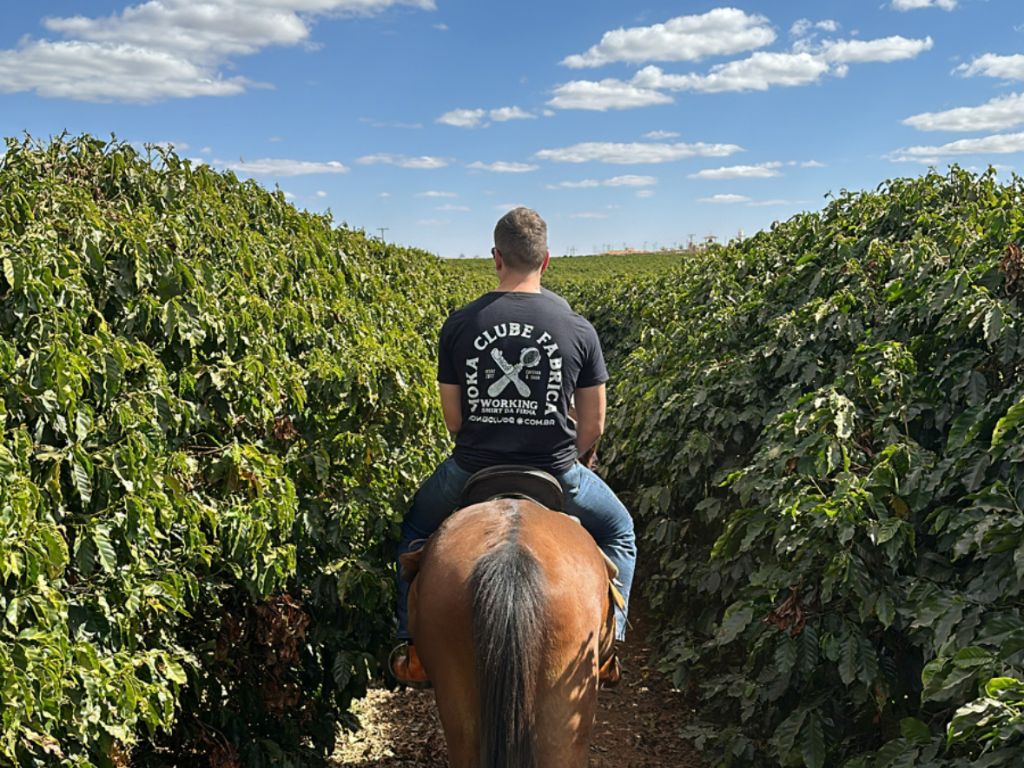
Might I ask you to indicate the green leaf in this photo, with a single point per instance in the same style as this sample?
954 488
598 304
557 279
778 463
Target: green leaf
81 473
812 742
734 623
785 653
1007 423
915 731
105 549
786 733
885 609
993 323
848 660
977 388
867 662
964 429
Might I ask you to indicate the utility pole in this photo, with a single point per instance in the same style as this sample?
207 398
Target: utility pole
382 230
689 246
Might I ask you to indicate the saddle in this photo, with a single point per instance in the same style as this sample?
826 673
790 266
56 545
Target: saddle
514 481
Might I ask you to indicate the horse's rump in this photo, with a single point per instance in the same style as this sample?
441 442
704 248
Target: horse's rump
523 592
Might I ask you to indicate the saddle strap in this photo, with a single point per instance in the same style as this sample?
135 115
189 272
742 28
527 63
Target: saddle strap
617 597
613 572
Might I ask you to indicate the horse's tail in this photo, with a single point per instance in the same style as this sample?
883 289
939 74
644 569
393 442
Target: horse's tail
508 605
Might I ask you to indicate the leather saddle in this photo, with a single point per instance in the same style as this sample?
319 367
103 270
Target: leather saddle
513 481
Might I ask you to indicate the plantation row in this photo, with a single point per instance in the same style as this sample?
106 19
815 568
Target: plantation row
213 409
821 431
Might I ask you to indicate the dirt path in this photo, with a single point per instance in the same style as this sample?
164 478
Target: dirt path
638 723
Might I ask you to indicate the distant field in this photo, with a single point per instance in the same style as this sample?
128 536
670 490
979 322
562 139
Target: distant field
573 269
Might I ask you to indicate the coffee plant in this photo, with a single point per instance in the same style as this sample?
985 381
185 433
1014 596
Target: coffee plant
821 432
213 409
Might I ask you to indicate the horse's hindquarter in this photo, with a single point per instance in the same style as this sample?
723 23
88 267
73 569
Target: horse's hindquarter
576 605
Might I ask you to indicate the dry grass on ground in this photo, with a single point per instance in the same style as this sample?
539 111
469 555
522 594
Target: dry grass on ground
638 723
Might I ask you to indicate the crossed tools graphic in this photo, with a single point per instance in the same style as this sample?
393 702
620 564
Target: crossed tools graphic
528 358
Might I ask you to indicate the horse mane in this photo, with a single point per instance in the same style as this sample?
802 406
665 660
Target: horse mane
508 610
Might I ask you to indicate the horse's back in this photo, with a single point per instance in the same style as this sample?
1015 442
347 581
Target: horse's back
573 582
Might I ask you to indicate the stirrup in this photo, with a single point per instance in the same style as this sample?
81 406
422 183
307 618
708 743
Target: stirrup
610 673
398 658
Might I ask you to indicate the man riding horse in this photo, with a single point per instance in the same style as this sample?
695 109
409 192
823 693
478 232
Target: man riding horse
509 364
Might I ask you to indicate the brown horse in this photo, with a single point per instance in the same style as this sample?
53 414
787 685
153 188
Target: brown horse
511 615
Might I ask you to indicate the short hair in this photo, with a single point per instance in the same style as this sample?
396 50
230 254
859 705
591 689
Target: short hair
521 236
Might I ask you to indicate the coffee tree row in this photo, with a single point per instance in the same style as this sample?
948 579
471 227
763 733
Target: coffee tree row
822 432
213 408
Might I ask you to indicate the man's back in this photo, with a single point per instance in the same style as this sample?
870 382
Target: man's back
517 358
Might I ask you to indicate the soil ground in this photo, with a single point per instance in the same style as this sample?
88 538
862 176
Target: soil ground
638 723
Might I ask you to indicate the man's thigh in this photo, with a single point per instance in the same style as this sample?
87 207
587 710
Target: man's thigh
435 500
590 499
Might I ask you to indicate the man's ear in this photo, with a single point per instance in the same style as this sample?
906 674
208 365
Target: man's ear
498 263
547 258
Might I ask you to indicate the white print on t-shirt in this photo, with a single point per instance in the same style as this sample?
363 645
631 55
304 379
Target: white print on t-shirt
539 363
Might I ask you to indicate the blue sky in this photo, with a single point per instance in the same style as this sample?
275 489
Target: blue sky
623 123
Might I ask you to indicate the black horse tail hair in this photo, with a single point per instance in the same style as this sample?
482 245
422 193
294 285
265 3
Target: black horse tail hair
507 587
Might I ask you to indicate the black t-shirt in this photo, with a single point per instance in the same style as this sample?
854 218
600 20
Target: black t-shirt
518 357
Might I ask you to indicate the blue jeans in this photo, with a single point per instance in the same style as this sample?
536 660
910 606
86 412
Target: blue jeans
587 497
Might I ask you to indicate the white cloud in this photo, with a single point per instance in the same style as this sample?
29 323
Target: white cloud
758 72
164 48
645 193
761 203
585 184
503 167
450 207
603 95
763 69
205 151
289 196
442 27
801 27
384 194
886 50
661 135
615 181
105 72
474 118
321 193
279 167
760 171
629 154
588 215
510 113
631 181
992 65
998 114
807 64
425 162
1001 144
812 164
913 5
719 32
729 199
462 118
435 193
